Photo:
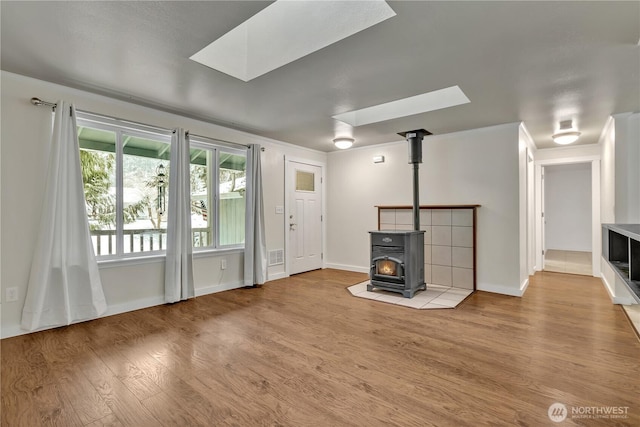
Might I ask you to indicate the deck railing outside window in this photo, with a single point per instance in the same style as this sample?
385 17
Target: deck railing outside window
141 240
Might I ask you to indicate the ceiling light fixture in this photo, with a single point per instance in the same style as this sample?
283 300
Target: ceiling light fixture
566 134
343 142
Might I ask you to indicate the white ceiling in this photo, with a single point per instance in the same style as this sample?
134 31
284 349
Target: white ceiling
536 62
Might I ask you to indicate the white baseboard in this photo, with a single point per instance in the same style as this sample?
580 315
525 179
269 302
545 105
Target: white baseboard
9 331
134 305
608 287
624 300
355 268
628 300
501 289
15 330
524 286
218 288
277 276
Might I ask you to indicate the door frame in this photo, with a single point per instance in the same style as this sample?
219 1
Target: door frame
287 192
596 234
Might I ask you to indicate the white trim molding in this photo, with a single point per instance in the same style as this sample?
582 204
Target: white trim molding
596 236
354 268
504 290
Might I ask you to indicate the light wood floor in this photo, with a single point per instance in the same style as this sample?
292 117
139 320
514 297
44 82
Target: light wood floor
304 352
573 262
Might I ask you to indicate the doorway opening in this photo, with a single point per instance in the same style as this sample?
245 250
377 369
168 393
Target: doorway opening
567 218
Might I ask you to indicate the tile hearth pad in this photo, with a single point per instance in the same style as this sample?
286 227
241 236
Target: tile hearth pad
436 296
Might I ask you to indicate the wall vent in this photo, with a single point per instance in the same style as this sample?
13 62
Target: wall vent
276 257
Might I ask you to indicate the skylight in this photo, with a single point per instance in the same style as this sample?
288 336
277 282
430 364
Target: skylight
288 30
430 101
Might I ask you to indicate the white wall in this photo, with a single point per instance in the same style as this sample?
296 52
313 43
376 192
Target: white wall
620 181
568 207
479 166
607 175
24 140
627 172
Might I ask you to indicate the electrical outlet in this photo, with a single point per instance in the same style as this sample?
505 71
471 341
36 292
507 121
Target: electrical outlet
11 294
223 264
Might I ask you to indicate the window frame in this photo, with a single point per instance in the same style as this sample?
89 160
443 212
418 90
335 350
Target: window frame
121 128
215 147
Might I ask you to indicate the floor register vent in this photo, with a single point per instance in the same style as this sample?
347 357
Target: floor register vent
276 257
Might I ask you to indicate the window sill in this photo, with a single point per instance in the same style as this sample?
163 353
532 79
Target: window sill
149 259
216 252
159 258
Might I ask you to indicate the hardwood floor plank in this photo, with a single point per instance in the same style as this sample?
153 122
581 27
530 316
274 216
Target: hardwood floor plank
122 402
86 401
108 421
302 351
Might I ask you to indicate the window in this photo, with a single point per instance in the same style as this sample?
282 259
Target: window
125 173
125 176
305 181
218 186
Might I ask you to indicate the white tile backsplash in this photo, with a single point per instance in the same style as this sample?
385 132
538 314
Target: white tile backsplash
441 217
427 254
462 277
440 255
404 216
462 236
448 238
427 233
441 235
462 217
404 227
387 216
462 257
425 217
441 275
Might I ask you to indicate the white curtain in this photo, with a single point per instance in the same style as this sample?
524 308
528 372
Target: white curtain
178 279
64 284
255 249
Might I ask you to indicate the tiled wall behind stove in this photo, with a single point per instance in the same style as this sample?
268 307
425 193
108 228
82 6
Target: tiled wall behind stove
448 242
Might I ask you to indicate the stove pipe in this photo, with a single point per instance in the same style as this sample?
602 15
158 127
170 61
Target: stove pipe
414 138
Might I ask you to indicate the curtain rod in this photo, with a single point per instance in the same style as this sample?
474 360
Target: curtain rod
224 141
40 103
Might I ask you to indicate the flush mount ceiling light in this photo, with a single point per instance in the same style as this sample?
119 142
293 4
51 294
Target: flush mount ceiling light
566 134
286 31
430 101
343 142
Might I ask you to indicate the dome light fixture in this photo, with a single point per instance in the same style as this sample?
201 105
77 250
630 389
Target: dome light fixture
566 134
343 142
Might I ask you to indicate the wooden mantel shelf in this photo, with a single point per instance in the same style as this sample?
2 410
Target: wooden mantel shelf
427 206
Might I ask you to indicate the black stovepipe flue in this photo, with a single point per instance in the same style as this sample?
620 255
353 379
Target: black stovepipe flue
414 138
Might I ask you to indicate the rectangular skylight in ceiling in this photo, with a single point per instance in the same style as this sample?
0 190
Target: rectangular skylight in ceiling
430 101
288 30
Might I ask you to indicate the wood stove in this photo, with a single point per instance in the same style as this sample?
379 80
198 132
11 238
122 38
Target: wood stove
397 262
397 257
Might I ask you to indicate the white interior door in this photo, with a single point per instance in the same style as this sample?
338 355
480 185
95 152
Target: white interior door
304 217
